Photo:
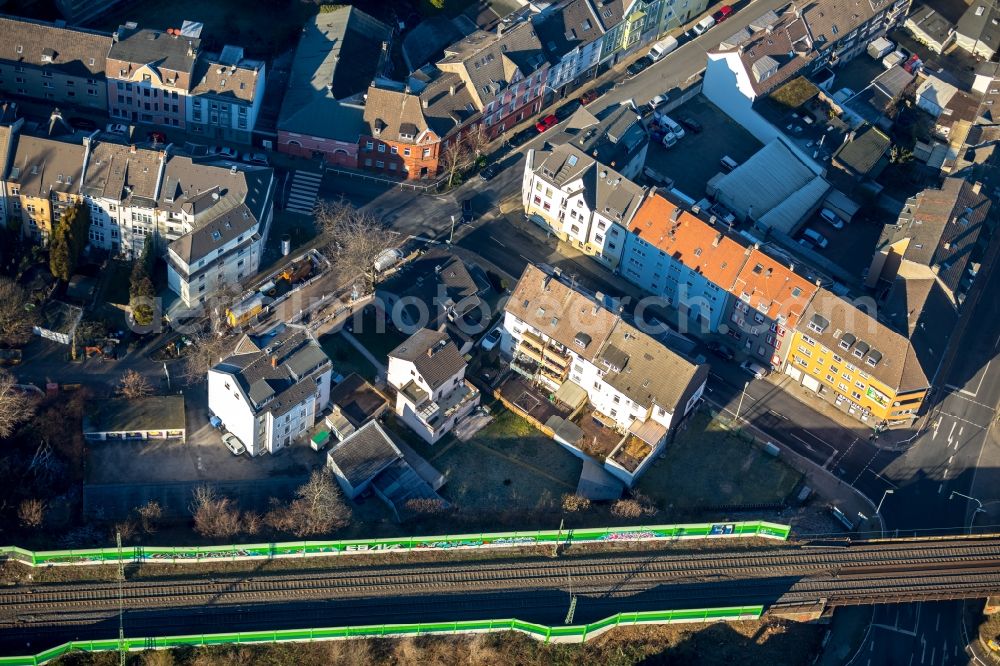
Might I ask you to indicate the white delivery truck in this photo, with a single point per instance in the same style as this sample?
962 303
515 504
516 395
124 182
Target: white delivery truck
702 26
662 48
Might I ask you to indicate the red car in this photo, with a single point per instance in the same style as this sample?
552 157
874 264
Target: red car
588 97
157 137
546 123
725 12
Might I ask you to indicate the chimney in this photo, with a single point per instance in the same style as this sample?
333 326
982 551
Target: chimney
976 186
423 103
451 90
274 361
500 29
674 216
717 240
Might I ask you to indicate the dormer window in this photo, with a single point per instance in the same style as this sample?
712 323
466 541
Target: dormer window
847 341
818 323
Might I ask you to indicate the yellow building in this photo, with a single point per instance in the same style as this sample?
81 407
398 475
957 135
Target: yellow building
857 363
44 180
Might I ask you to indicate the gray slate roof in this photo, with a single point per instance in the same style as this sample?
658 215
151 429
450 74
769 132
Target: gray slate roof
72 51
164 412
41 166
145 46
121 173
570 26
979 22
217 76
864 152
276 388
611 140
605 190
364 454
433 353
336 58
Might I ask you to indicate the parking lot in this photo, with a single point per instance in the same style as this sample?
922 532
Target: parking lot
695 159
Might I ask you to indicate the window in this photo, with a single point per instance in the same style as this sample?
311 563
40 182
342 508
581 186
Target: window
381 147
427 152
855 395
369 145
393 149
406 152
379 164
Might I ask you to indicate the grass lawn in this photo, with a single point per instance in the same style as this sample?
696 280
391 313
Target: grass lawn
345 357
263 28
708 465
379 337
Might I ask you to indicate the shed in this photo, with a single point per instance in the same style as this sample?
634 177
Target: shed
153 417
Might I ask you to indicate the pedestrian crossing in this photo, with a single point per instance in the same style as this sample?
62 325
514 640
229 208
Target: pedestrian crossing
303 192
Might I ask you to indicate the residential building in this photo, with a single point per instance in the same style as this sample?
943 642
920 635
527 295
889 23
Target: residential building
226 94
856 362
860 159
405 132
618 139
339 54
930 28
878 103
150 74
799 41
120 186
769 298
52 63
505 72
428 374
571 34
215 218
952 108
271 389
43 180
978 31
555 333
353 403
119 419
435 291
674 255
580 200
939 230
10 127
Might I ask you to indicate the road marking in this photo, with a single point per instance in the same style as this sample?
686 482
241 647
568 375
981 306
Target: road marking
923 652
945 477
961 430
937 624
971 423
884 479
940 488
933 652
937 425
494 239
525 258
952 431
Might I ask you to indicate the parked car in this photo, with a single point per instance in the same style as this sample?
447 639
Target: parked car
489 173
691 124
546 123
116 128
831 218
156 137
85 124
816 237
671 126
588 97
702 26
522 137
234 444
662 48
654 104
639 65
259 159
725 12
467 214
723 352
756 369
669 140
491 339
807 244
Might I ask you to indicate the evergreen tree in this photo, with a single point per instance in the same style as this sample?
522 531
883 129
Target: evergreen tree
68 240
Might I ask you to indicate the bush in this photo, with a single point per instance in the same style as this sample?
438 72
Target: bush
636 507
31 513
572 503
214 516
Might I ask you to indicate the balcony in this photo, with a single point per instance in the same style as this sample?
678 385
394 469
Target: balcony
456 404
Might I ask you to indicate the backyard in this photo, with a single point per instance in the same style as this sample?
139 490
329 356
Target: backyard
706 466
376 332
345 357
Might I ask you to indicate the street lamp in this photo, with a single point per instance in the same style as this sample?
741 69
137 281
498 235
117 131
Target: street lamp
979 509
739 407
451 235
888 491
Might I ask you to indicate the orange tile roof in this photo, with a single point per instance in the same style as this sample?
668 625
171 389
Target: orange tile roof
771 283
694 243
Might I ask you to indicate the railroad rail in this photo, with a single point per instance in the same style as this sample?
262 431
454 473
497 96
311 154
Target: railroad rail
791 576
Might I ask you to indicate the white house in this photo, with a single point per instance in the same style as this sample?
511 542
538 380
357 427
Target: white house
580 200
226 94
223 213
432 394
555 333
271 390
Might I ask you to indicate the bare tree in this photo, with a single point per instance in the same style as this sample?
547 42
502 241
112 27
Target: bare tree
214 516
425 505
318 508
15 405
31 513
462 151
252 522
204 351
149 515
15 318
134 386
355 238
636 507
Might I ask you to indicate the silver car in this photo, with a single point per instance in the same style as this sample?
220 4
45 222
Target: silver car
234 444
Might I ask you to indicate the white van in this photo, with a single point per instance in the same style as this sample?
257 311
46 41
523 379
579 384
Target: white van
662 48
702 26
667 123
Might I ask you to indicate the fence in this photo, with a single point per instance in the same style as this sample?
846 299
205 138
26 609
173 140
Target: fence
268 551
571 633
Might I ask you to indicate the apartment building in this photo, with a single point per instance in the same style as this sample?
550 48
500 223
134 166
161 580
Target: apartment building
60 65
120 186
691 264
227 91
150 74
221 214
271 389
580 200
572 35
978 30
856 362
768 299
432 394
505 71
42 181
797 40
10 127
406 131
556 333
